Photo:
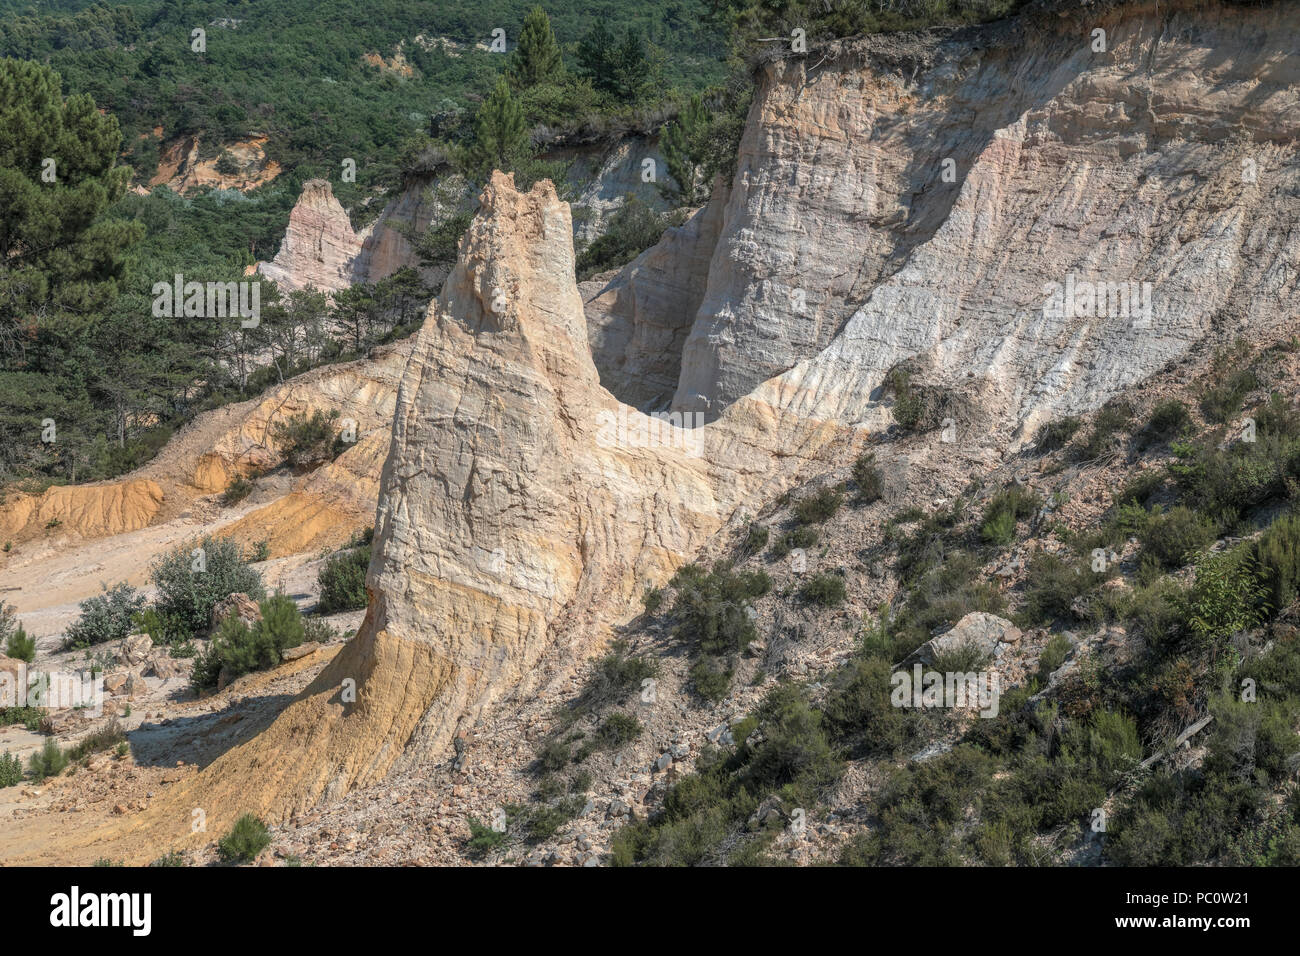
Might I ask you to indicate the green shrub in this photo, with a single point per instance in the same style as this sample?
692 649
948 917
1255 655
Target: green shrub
174 858
617 730
909 406
482 838
261 552
192 578
802 537
1057 433
1169 420
1278 417
652 599
755 539
342 580
106 739
1223 399
711 678
1171 537
306 440
1109 422
1052 584
962 659
818 507
633 228
1277 555
1225 598
238 489
1053 656
1224 483
49 761
998 525
238 649
246 839
104 617
20 646
615 676
868 478
826 589
710 609
11 770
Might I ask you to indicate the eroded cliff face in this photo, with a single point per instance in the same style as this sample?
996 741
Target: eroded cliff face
319 248
1169 159
524 505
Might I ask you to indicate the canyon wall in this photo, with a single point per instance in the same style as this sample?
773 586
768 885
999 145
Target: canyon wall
523 504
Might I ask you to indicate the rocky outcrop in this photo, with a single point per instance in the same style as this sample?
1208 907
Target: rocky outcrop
386 247
319 247
1168 160
601 180
639 317
181 169
524 506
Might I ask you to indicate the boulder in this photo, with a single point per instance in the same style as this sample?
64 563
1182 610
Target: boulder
302 650
166 667
985 631
238 604
135 649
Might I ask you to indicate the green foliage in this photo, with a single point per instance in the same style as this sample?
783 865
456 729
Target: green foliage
818 507
801 537
1169 420
633 228
108 738
246 839
49 761
1224 484
482 838
710 608
998 525
501 138
1053 655
1225 598
21 647
105 617
193 577
756 536
1057 433
868 478
618 729
701 143
171 859
537 57
750 21
626 69
238 649
1052 584
238 489
825 589
1223 399
11 770
711 678
306 440
1170 538
909 407
1109 422
1277 556
342 581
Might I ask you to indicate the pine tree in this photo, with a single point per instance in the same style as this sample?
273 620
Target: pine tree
685 147
537 58
59 261
500 133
